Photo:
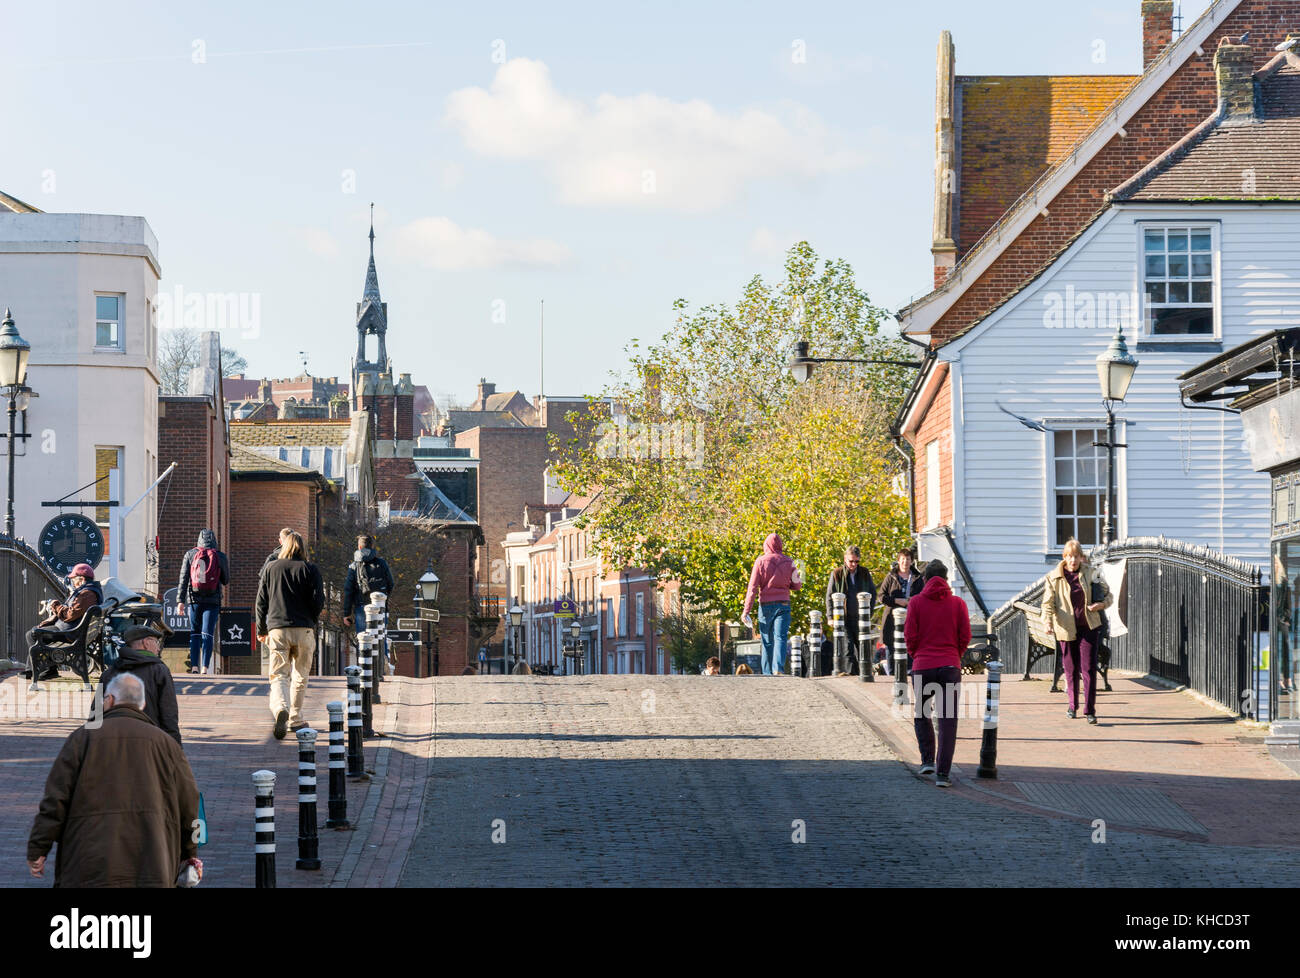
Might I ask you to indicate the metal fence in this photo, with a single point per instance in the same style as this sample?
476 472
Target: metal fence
1193 617
25 581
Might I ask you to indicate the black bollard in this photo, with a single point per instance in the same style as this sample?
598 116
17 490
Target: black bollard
264 823
308 843
338 817
900 658
356 759
989 745
365 646
866 667
375 615
796 655
814 644
840 634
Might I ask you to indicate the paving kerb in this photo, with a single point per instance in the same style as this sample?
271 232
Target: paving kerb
1214 768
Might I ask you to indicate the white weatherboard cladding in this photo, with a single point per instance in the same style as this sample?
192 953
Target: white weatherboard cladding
1186 474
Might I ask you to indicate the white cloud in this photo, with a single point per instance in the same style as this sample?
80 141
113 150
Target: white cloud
440 243
318 242
639 150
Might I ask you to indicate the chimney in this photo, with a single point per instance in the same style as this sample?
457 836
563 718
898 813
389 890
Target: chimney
1234 70
1157 29
943 246
484 390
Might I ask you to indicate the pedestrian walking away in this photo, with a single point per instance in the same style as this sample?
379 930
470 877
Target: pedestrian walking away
141 659
899 586
937 632
773 577
1074 597
290 596
368 572
275 554
204 571
120 802
849 579
64 616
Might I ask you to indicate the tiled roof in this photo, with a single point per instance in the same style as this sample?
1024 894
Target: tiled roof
1012 129
245 462
322 432
465 420
16 206
1256 161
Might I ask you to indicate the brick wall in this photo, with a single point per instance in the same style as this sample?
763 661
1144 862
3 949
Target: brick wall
937 424
393 482
1186 99
404 422
192 434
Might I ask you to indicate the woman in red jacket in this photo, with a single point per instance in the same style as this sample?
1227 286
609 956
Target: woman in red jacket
937 631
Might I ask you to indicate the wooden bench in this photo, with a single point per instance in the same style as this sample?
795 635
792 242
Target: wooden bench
1042 643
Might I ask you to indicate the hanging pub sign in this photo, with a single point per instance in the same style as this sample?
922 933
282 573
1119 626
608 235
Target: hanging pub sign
235 633
565 608
71 539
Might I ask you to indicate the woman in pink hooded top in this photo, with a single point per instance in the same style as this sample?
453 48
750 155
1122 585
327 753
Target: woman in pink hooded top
773 578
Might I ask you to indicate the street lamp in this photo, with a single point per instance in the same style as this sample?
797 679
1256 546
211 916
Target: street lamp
1115 368
14 351
801 364
426 589
575 632
516 615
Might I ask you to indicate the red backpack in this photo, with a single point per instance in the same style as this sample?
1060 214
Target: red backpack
205 571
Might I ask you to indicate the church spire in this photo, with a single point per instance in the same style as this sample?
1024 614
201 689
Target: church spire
371 290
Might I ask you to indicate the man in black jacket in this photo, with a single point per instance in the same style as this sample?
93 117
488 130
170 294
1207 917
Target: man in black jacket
368 572
141 659
290 596
849 579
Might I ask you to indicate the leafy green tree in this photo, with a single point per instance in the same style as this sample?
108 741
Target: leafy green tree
689 638
713 445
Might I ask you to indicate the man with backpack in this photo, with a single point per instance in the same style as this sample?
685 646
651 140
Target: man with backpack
203 571
367 572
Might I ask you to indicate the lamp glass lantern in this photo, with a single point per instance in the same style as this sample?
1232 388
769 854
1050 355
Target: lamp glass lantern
1115 368
800 365
428 585
575 632
14 351
516 614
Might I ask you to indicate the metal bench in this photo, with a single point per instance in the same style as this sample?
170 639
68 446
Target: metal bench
77 649
1042 643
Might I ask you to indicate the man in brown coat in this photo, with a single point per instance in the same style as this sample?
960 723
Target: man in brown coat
120 801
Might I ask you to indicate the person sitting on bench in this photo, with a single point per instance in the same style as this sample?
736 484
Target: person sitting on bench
64 617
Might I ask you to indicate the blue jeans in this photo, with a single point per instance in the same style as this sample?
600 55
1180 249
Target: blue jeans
201 636
774 630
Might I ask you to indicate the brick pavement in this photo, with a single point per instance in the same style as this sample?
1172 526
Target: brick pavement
643 780
226 728
1148 738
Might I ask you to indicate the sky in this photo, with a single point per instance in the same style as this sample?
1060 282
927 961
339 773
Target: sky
605 158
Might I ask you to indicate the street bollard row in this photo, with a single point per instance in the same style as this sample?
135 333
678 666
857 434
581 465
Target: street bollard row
365 652
308 843
814 644
866 668
264 828
839 634
356 760
376 617
338 811
900 658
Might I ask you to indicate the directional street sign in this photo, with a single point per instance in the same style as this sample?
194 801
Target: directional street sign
403 636
412 624
429 614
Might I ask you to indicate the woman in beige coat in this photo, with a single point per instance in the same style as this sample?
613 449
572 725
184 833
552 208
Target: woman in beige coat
1070 612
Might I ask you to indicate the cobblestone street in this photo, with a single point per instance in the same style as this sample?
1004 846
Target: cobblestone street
618 780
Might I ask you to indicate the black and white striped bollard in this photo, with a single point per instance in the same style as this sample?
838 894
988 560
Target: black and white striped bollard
308 843
839 633
814 644
796 655
264 823
900 657
989 745
356 759
376 612
338 812
866 668
366 646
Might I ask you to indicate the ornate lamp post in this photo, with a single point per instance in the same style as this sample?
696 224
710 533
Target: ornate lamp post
1115 369
516 614
14 351
426 590
575 633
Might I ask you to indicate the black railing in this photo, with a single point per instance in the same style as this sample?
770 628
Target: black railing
1193 617
25 581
